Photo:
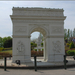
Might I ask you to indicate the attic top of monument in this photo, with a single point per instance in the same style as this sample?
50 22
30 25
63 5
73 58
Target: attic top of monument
36 8
37 11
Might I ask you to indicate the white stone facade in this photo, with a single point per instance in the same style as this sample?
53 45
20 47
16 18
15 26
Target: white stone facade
50 22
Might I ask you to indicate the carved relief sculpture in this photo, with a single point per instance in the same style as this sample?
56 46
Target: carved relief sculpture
20 29
20 46
57 46
56 29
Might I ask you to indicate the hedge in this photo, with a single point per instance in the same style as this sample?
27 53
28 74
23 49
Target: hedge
71 52
36 53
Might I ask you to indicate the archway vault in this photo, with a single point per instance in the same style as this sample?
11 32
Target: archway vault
39 29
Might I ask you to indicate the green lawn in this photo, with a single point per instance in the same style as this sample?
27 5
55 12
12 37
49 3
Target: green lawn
8 51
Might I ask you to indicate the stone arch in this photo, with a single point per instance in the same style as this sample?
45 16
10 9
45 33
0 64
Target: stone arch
43 30
45 20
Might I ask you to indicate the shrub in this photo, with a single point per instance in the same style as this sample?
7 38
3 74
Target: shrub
42 44
33 45
33 53
7 48
35 49
71 52
71 45
67 44
5 54
39 49
42 49
1 49
36 53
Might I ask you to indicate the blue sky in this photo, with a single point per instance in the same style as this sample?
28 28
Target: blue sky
6 11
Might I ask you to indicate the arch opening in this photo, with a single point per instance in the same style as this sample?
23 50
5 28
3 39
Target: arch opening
39 40
37 45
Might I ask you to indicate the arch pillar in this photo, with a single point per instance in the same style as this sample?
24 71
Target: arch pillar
55 49
21 49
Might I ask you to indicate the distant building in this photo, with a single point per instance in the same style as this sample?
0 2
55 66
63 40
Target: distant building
38 42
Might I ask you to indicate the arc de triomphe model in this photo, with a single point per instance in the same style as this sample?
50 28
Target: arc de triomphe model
50 22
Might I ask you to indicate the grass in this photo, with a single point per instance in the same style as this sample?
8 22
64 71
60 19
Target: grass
7 51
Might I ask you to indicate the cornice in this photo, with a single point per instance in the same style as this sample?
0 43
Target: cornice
36 9
38 17
23 36
20 36
56 36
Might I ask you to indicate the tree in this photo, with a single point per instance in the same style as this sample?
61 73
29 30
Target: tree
42 44
8 43
4 39
72 45
33 45
74 32
65 33
1 44
68 35
71 33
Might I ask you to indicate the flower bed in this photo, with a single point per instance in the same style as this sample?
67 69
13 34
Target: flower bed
36 53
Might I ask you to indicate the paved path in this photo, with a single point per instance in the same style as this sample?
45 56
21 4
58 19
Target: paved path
69 71
9 62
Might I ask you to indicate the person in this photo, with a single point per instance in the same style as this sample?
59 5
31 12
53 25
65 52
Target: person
66 41
73 40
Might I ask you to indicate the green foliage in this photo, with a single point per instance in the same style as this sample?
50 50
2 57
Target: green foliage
1 49
8 43
33 44
71 52
42 44
71 45
1 44
42 49
67 44
35 49
9 52
8 48
69 33
2 40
